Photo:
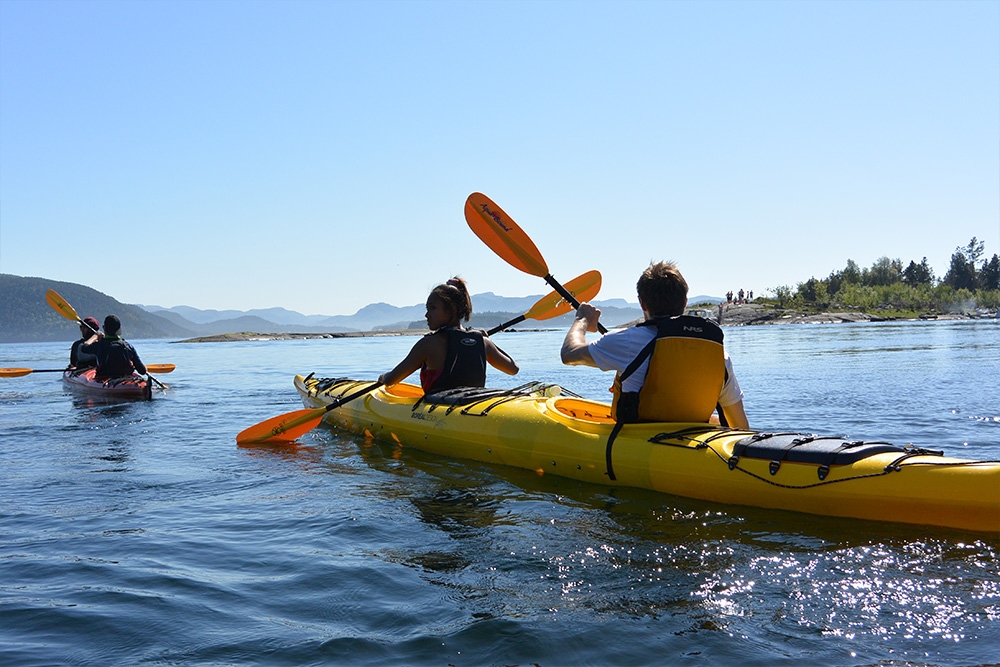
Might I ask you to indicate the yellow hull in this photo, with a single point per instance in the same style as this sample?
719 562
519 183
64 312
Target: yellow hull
552 434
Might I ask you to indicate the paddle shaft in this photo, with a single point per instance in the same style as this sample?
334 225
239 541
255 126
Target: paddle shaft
509 323
350 397
570 299
562 291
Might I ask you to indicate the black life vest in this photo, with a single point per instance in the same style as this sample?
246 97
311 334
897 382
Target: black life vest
78 359
114 357
686 373
465 363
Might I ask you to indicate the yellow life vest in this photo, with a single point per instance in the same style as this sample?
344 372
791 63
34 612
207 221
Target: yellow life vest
687 370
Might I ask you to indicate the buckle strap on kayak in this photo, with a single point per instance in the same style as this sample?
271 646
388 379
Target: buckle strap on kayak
775 464
824 468
607 452
912 451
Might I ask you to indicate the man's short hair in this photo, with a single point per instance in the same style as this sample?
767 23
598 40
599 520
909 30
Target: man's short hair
112 325
662 290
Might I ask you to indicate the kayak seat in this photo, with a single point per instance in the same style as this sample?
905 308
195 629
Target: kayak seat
824 451
599 413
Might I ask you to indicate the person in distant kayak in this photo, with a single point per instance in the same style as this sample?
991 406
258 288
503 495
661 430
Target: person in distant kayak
670 367
451 355
115 356
78 359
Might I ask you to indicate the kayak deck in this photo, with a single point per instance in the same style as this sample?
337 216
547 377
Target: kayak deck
534 427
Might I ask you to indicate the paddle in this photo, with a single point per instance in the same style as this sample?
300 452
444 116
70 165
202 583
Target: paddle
505 238
287 427
61 306
584 287
20 372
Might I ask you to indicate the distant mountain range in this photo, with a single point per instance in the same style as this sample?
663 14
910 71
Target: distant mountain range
26 317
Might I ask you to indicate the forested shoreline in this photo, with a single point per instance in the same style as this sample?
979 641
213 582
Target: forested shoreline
971 283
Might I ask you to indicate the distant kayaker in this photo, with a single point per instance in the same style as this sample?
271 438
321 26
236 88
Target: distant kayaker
115 356
683 376
451 355
79 359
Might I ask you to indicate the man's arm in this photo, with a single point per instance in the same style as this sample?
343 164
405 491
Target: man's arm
137 362
574 350
736 416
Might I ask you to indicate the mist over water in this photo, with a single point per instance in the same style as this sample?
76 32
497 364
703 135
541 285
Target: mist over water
139 533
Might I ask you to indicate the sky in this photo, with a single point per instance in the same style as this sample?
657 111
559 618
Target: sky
317 155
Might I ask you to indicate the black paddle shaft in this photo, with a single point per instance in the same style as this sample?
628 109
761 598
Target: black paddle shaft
570 299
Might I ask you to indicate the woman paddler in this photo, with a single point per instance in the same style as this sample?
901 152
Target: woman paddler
450 356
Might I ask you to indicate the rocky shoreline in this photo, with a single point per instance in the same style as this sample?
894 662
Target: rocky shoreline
733 315
748 314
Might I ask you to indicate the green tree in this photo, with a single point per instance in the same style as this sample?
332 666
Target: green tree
783 295
851 273
834 281
962 271
961 274
918 274
815 292
989 275
862 297
884 271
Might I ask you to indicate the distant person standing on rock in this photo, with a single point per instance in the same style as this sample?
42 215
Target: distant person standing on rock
115 356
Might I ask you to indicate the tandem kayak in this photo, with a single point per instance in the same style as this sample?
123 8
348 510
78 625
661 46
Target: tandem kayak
130 386
537 427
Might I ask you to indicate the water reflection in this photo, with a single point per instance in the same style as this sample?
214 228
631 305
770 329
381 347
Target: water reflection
637 553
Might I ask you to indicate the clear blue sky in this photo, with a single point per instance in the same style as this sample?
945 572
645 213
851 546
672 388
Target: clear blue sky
317 155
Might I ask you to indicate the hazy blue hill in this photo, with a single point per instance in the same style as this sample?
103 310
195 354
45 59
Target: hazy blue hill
239 322
376 315
25 316
271 315
489 302
195 315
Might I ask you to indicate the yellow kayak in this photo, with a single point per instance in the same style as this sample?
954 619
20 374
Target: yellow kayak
537 427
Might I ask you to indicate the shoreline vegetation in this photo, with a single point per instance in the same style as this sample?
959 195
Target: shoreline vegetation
733 315
887 291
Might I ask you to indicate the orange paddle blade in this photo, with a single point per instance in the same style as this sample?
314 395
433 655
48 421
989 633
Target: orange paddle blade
160 368
503 236
283 428
584 287
60 305
14 372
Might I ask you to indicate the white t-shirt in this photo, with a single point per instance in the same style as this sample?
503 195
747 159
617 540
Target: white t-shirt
617 349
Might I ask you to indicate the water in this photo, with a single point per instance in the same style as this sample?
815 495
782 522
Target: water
139 533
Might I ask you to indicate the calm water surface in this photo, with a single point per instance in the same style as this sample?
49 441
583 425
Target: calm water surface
139 533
